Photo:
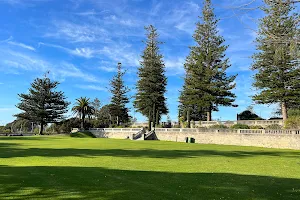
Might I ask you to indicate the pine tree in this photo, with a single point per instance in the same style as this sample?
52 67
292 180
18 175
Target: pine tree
150 98
207 85
276 62
119 99
43 104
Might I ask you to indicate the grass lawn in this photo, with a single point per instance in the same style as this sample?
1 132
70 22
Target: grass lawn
86 168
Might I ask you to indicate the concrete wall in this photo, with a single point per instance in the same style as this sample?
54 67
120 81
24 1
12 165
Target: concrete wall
115 133
283 141
263 123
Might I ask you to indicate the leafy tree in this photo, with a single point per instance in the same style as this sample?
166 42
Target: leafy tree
151 87
276 62
191 113
22 125
83 109
248 115
119 98
43 104
207 85
105 116
240 126
96 104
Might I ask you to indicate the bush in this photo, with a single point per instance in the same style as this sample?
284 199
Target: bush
83 134
294 112
36 130
218 126
292 122
240 126
274 127
256 127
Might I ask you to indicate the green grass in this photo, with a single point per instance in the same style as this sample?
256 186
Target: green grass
72 168
85 134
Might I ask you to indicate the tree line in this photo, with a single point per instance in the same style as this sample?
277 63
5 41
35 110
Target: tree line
207 85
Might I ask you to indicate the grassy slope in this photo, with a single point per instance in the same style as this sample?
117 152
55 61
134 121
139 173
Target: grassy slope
68 168
85 134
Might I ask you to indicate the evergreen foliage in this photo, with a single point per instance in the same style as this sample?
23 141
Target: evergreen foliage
207 85
276 62
119 99
83 109
43 104
248 115
151 87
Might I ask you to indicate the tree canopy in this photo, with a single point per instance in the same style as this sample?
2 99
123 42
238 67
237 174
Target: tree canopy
43 104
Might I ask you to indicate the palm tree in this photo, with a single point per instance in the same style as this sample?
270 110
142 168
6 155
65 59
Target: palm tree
83 109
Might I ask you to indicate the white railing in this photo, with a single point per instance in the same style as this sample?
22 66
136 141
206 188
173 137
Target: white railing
116 129
204 130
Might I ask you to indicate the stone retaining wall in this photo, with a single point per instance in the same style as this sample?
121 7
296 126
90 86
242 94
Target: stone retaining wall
282 141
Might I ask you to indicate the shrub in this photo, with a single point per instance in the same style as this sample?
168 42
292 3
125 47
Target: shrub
36 130
83 134
218 126
292 122
274 127
240 126
256 127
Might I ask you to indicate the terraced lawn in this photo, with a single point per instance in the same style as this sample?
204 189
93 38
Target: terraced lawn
81 168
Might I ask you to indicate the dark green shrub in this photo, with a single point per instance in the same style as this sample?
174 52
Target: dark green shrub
292 122
240 126
83 134
274 127
256 127
218 126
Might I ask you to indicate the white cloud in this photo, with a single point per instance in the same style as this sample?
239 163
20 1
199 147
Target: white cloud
78 33
14 62
90 13
22 2
174 66
81 52
108 69
69 70
92 87
121 53
21 45
184 17
11 42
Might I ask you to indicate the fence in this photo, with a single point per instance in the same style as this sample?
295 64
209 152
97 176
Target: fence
229 131
263 123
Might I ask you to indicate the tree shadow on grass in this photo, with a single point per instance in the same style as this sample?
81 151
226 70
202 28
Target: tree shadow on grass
38 137
100 183
11 150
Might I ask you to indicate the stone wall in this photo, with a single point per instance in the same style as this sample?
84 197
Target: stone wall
284 139
115 133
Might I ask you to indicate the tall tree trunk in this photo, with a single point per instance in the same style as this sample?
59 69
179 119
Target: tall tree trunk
209 116
42 128
149 121
153 116
157 117
118 123
82 121
188 118
284 110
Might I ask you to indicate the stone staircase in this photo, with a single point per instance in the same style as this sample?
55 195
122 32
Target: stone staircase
139 136
142 135
151 135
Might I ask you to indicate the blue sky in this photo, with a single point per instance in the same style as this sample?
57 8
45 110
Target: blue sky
81 42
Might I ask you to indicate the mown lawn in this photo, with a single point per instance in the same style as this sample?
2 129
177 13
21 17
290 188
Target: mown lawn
81 168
